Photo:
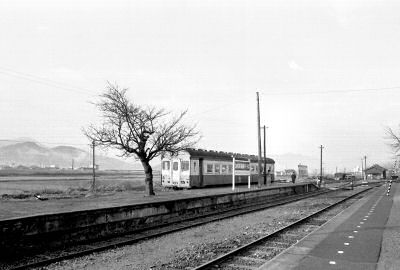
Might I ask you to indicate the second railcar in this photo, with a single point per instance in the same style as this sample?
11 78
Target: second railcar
200 168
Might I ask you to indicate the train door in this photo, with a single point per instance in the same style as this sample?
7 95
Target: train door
201 180
176 172
166 180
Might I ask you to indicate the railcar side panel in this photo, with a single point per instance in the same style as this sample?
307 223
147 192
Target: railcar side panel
199 169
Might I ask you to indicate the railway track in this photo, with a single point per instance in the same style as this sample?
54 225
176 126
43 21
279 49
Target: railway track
252 255
49 257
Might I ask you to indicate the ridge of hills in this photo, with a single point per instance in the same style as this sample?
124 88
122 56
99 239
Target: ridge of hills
30 153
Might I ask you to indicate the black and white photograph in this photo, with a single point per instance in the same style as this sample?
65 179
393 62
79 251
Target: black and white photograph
199 134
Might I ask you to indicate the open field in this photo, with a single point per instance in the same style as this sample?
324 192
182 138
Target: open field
72 183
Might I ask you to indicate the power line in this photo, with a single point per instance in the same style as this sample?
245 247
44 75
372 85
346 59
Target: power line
42 142
300 92
221 106
26 76
44 81
303 92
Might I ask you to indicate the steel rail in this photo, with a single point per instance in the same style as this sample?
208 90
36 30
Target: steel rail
232 253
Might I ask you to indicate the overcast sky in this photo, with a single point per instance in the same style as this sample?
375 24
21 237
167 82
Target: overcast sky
328 72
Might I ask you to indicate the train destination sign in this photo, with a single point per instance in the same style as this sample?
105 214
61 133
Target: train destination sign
241 167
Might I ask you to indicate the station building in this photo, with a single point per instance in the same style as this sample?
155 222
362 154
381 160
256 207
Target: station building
375 172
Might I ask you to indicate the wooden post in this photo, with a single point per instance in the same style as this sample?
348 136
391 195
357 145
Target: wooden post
259 141
319 184
94 170
249 177
233 173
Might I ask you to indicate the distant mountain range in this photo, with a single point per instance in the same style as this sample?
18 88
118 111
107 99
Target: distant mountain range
30 153
27 152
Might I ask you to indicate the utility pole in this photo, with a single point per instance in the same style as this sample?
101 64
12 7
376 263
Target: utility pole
362 169
319 184
233 173
265 159
365 167
94 170
259 141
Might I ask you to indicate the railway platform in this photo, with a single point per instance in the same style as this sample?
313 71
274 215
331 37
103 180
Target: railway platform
75 222
25 208
364 236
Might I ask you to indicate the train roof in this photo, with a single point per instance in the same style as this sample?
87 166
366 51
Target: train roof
224 155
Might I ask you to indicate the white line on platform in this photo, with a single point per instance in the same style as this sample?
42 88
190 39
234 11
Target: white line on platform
346 244
350 236
355 231
358 226
340 251
332 262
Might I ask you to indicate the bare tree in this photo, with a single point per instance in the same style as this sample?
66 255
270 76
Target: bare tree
394 140
139 131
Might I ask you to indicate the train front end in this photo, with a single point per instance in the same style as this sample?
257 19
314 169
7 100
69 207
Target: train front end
175 170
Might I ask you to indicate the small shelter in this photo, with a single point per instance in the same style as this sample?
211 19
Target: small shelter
339 176
303 171
375 172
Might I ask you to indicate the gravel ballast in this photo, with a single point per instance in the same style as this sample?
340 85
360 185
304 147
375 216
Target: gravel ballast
191 247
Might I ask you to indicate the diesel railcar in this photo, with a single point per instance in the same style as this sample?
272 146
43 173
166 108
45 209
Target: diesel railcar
201 168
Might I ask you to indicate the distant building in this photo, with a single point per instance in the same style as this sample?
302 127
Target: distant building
52 167
97 167
287 172
303 171
290 171
375 172
357 171
339 176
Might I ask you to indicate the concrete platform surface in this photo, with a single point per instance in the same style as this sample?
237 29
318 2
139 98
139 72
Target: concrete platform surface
23 208
364 236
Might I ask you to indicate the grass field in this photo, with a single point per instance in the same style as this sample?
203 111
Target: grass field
23 186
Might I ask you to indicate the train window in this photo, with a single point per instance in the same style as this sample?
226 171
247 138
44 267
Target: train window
194 166
209 168
217 166
223 168
175 166
230 169
166 165
252 168
184 166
